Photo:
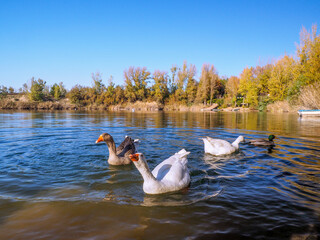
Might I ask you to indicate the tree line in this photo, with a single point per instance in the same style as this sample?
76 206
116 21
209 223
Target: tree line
256 86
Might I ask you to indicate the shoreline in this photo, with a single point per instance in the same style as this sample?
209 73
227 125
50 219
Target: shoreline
168 108
23 104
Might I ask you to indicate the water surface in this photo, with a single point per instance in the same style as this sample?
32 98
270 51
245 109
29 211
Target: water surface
55 182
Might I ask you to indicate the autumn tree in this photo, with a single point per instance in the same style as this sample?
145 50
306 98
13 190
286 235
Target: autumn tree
248 86
282 76
108 95
160 86
119 95
214 83
172 80
182 77
191 88
232 88
203 84
263 74
208 84
136 83
309 55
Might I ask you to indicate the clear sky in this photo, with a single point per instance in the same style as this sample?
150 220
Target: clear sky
67 40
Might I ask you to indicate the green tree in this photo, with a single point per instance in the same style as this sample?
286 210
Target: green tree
11 90
63 90
76 94
3 92
58 91
98 86
37 90
25 88
55 91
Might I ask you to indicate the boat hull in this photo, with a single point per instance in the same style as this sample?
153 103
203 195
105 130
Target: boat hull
309 113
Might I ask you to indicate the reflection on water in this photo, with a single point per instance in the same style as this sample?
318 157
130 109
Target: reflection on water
55 182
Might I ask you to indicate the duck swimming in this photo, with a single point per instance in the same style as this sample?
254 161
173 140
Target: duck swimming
263 142
221 147
119 155
170 175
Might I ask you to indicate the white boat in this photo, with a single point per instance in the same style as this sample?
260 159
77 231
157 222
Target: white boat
309 113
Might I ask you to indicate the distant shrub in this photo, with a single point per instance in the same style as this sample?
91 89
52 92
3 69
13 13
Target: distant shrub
3 92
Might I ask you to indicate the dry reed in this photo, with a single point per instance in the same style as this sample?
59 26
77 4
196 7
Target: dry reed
310 96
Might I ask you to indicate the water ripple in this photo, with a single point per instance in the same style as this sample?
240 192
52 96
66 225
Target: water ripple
51 171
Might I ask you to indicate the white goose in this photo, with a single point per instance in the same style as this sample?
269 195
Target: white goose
221 147
170 175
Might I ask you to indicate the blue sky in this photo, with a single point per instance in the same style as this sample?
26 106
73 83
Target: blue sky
66 41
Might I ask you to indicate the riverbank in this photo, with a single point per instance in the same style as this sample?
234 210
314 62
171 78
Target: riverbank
21 102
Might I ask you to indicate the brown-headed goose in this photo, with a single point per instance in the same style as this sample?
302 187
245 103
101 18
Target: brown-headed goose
119 155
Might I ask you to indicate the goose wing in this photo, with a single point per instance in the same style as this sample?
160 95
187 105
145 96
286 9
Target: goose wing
217 146
178 176
123 144
164 167
128 148
218 143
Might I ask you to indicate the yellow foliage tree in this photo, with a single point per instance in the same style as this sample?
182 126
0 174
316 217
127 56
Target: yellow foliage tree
309 55
232 87
136 83
208 85
248 86
160 87
282 76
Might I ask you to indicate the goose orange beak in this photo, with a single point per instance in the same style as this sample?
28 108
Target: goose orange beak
134 157
100 139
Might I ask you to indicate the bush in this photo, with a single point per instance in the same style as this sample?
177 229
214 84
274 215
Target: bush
76 95
3 92
37 90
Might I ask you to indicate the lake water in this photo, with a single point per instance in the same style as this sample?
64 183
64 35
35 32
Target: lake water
55 182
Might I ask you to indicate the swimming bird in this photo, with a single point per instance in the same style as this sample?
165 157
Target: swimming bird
263 142
119 155
170 175
221 147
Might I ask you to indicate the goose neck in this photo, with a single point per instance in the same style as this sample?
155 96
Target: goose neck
145 171
112 148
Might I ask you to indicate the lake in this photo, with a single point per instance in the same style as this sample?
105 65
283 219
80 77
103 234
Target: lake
56 183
